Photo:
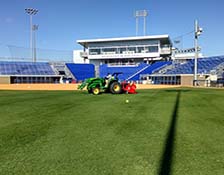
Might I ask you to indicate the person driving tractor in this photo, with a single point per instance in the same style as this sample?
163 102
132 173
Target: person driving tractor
107 79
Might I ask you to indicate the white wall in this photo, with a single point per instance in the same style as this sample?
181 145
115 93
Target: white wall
77 58
185 56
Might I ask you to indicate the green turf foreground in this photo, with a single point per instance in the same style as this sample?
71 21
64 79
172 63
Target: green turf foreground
176 131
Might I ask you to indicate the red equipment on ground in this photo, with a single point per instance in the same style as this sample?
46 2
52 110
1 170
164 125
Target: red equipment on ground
129 88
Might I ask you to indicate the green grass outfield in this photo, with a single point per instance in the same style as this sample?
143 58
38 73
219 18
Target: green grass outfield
169 131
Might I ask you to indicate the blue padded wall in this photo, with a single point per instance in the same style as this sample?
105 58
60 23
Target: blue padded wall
81 71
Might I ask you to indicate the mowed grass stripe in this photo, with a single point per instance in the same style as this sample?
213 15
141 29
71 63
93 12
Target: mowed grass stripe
199 146
77 133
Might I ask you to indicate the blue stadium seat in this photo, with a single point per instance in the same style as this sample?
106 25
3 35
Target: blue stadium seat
149 69
25 68
205 65
132 72
127 71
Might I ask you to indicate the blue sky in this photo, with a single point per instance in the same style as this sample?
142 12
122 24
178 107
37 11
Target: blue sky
62 22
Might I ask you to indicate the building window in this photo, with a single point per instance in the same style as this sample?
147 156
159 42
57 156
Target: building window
140 49
122 49
94 51
109 50
151 49
133 49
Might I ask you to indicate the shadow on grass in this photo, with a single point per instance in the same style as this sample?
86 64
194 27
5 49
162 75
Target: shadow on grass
167 156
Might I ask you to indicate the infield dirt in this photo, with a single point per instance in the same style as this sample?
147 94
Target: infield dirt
68 86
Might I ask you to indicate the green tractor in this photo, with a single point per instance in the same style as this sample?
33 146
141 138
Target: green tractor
97 85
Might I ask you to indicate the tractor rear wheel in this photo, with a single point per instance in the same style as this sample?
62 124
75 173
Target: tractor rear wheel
115 88
96 91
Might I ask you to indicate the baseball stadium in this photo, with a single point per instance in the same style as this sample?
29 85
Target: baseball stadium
132 105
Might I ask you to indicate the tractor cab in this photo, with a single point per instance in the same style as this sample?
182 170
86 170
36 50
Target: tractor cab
111 78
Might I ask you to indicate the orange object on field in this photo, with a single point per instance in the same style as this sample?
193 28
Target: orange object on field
129 87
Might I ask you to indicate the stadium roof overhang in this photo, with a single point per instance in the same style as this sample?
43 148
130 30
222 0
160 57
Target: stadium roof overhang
164 39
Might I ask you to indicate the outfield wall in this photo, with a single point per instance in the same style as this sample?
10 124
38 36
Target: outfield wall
187 80
5 80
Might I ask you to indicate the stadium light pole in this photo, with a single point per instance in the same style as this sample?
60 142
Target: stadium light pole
34 28
144 14
197 32
31 12
136 25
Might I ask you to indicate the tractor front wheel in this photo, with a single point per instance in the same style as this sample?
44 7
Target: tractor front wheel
96 91
115 88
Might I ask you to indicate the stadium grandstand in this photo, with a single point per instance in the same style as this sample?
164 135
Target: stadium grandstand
126 51
151 60
27 72
12 72
52 66
210 71
143 59
132 72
